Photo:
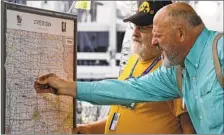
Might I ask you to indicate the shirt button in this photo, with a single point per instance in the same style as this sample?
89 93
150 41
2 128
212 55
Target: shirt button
196 65
193 78
200 100
196 97
201 117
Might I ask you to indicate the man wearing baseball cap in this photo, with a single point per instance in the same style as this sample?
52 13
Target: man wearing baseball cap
143 118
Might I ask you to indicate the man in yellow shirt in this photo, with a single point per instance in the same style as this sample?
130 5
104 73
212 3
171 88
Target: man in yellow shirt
143 118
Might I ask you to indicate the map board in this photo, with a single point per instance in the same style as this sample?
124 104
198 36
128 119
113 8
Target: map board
36 42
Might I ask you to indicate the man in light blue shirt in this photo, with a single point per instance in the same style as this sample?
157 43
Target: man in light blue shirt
183 39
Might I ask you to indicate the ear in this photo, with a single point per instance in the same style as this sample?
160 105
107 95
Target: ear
181 33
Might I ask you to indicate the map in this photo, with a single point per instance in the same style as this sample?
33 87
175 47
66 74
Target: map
30 53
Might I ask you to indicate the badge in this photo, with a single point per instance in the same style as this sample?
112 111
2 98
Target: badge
114 121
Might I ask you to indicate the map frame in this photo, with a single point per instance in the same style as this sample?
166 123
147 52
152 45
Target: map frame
26 9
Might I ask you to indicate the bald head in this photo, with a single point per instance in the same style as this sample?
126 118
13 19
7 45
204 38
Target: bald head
181 6
179 12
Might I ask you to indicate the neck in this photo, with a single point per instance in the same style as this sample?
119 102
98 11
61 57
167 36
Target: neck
194 33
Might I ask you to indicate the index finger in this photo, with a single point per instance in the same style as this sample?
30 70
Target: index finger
43 79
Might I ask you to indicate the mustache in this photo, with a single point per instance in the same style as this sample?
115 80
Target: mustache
135 38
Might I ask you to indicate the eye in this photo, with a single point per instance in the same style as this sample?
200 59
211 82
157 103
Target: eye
141 28
149 27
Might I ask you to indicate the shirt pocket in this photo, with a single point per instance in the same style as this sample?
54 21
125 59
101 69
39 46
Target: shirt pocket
206 92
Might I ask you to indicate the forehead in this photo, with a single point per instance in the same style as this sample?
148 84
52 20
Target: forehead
158 28
160 24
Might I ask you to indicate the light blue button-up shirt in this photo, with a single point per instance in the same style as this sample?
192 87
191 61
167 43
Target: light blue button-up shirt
201 90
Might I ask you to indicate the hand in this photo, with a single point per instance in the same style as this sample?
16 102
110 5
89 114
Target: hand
82 129
96 127
54 82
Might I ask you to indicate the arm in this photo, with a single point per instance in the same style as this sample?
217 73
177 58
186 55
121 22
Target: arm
186 124
158 86
92 128
183 116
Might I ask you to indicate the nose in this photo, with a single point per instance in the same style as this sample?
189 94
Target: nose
136 32
154 42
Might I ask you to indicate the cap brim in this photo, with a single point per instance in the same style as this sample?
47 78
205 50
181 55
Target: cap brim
140 19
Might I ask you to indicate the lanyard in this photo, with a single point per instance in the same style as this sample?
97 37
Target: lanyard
150 67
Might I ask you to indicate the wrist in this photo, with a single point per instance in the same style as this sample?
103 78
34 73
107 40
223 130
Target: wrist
68 90
71 89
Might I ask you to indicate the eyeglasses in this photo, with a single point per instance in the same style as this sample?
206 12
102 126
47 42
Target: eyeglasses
143 29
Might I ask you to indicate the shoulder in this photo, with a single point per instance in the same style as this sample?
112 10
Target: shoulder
127 68
132 58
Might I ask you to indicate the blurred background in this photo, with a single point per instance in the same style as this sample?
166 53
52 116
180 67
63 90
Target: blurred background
103 39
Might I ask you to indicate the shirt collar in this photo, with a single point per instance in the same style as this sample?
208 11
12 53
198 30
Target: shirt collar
195 52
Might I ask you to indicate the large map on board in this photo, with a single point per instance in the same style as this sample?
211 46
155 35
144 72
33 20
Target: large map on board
37 45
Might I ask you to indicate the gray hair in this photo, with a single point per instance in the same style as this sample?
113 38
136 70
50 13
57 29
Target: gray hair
189 17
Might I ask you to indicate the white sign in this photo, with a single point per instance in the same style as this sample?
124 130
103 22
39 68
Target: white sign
39 23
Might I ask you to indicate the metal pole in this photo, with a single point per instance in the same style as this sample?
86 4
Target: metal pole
70 9
113 35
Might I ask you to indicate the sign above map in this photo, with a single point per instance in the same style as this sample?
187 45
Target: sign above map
36 42
39 23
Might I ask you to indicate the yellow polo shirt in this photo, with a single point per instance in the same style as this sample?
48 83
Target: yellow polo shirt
150 117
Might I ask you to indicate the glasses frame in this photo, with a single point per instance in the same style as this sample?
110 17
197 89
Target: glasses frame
143 29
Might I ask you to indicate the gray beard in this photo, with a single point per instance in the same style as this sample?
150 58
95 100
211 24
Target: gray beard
140 50
170 61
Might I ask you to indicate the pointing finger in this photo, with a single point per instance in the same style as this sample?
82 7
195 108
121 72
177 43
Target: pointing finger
44 79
